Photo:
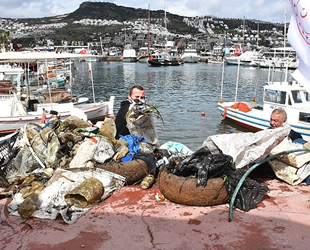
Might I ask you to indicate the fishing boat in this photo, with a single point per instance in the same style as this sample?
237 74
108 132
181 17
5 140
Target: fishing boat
143 55
190 56
129 54
163 59
19 107
292 96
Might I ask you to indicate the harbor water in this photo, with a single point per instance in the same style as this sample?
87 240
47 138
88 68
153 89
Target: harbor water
181 93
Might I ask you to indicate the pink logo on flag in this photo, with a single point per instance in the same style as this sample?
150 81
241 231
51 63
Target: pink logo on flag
299 38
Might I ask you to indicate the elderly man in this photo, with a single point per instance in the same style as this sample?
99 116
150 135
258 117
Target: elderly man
277 118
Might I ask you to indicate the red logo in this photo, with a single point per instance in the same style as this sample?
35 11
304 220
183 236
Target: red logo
301 9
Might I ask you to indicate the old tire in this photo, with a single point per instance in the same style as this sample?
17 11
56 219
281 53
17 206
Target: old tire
183 190
134 171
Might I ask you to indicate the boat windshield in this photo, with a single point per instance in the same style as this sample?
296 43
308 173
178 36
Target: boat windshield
275 96
304 117
296 96
307 96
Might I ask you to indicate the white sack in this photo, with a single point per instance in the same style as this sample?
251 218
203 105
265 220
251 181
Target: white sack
52 198
247 148
292 168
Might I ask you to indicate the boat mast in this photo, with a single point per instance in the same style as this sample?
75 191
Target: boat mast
237 82
101 46
165 14
222 83
165 21
257 34
148 34
243 34
284 27
90 70
48 84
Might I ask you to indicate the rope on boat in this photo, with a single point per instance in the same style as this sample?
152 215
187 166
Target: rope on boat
246 174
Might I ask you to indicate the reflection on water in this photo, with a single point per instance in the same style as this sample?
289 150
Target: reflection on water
180 93
228 127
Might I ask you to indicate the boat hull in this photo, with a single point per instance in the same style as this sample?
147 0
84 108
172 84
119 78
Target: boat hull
258 119
248 120
190 59
93 111
158 63
129 59
143 59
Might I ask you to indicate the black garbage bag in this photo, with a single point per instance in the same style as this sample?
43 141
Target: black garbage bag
250 193
203 165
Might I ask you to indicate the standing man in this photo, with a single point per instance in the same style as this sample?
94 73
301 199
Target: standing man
136 95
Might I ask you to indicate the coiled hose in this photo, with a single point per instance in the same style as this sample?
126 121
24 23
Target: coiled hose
246 174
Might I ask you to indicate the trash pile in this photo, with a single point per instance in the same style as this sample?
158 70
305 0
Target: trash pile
66 167
59 168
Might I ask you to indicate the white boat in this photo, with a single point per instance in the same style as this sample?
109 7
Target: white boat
143 54
129 55
190 56
17 111
280 63
245 58
143 58
292 96
277 58
10 122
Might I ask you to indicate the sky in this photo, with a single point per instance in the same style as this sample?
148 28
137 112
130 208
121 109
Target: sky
265 10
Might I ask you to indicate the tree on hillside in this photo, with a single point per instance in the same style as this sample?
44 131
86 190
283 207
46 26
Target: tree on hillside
5 40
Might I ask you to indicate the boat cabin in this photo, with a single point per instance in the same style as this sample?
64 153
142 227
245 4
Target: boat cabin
293 98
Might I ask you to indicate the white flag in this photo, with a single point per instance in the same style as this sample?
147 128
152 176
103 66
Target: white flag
299 38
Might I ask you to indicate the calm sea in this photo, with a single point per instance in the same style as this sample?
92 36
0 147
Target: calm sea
180 93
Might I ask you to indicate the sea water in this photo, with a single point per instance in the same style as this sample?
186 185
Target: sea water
180 93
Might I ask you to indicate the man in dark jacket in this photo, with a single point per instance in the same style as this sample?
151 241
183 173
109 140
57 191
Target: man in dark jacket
136 95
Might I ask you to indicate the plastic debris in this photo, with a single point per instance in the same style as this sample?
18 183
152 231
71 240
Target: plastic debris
158 195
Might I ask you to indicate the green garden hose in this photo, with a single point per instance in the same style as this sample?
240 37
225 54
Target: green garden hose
246 174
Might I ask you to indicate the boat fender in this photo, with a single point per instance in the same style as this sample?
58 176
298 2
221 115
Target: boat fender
134 171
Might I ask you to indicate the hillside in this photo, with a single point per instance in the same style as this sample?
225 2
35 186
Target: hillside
74 27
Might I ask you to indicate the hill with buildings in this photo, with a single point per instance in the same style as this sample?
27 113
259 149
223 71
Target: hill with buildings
114 25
